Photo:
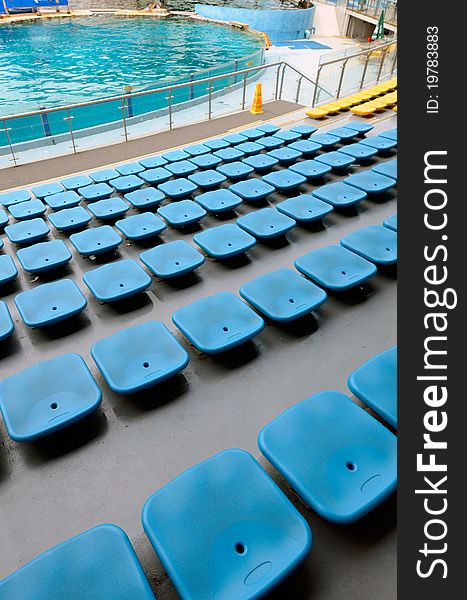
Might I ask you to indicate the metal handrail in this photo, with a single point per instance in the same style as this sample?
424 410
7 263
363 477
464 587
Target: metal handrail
361 53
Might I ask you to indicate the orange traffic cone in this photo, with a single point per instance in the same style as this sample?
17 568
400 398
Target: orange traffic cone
257 108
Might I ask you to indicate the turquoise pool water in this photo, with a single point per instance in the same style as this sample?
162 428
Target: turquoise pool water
56 62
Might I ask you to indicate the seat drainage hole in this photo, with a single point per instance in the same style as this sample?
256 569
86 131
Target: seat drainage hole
225 329
240 548
388 249
146 365
98 243
271 226
46 260
54 406
344 272
122 284
177 263
292 301
229 244
351 466
54 308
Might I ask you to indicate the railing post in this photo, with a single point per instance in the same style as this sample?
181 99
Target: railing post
341 78
383 56
210 101
315 93
299 85
69 118
276 90
282 80
362 81
244 91
6 130
125 130
169 99
394 61
192 88
235 69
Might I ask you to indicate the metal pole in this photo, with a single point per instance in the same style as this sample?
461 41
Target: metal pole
315 93
6 130
282 81
244 92
394 61
383 56
192 88
276 90
341 78
169 98
210 101
235 69
362 81
69 118
299 85
125 131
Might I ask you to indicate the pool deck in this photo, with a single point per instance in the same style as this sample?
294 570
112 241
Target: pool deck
104 468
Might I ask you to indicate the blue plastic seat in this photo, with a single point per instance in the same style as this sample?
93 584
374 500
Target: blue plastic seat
391 134
44 256
336 160
181 168
28 210
197 149
70 219
358 151
96 191
389 169
206 161
345 133
8 270
306 147
335 267
103 175
139 357
10 198
47 189
109 209
4 219
325 139
382 144
338 458
304 208
304 130
250 148
285 155
235 170
253 134
145 197
310 169
218 201
207 179
284 180
6 324
246 538
370 182
261 162
45 398
266 223
270 142
128 183
375 384
156 176
224 241
218 322
376 243
99 563
391 222
117 280
359 126
229 154
252 189
76 181
179 214
178 188
96 240
234 138
288 135
67 199
28 231
216 144
140 227
151 162
130 168
268 128
172 260
175 155
339 194
283 295
50 303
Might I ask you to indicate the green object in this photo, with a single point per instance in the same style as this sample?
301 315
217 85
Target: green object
379 30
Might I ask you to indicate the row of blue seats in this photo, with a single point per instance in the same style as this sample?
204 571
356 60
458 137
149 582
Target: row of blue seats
142 356
201 165
334 267
220 242
247 536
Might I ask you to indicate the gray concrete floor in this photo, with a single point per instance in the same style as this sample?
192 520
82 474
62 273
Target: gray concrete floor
104 468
